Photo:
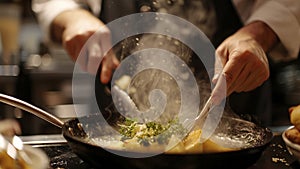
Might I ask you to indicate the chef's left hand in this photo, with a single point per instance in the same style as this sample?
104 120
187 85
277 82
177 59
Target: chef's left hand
85 36
241 61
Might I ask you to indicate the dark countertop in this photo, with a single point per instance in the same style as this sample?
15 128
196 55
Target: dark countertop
275 156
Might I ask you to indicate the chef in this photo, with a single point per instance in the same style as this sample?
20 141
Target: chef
246 34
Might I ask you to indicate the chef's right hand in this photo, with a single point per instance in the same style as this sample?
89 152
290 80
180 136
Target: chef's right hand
79 26
241 62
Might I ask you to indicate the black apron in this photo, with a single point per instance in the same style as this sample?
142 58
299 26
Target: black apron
254 105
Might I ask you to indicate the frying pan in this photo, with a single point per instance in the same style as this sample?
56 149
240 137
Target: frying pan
80 143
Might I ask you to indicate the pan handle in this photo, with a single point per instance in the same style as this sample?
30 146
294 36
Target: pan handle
31 109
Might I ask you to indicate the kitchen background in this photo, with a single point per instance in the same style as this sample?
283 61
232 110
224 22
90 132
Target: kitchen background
42 75
30 70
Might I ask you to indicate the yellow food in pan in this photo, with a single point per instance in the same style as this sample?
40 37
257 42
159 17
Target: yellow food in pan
191 144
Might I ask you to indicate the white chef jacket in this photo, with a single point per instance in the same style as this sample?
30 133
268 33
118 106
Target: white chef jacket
283 16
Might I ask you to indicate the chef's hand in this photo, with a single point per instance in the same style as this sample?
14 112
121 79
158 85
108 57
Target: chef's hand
9 127
241 60
75 27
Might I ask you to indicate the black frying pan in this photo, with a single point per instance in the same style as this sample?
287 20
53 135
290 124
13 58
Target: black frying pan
79 141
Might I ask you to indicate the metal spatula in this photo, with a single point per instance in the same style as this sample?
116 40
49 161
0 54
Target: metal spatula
203 114
211 113
128 108
200 119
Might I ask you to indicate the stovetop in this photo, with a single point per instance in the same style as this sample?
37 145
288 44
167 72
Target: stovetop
275 156
62 157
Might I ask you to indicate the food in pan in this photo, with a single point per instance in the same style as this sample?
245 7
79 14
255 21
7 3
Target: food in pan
293 134
191 144
154 136
162 136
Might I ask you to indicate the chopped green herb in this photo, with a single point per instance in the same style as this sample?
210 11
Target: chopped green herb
150 132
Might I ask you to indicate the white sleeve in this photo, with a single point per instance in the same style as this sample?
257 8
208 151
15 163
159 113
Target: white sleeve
47 10
283 16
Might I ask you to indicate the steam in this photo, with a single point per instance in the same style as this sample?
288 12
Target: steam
195 11
199 12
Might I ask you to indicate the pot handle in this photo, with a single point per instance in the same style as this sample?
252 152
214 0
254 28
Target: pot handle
31 109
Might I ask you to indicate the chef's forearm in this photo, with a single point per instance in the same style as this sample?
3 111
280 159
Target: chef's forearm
66 19
60 22
46 11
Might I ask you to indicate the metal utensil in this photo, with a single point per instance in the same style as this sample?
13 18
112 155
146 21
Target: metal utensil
211 113
127 107
203 114
123 99
199 120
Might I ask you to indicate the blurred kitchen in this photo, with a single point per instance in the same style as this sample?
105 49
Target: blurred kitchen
30 70
42 75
